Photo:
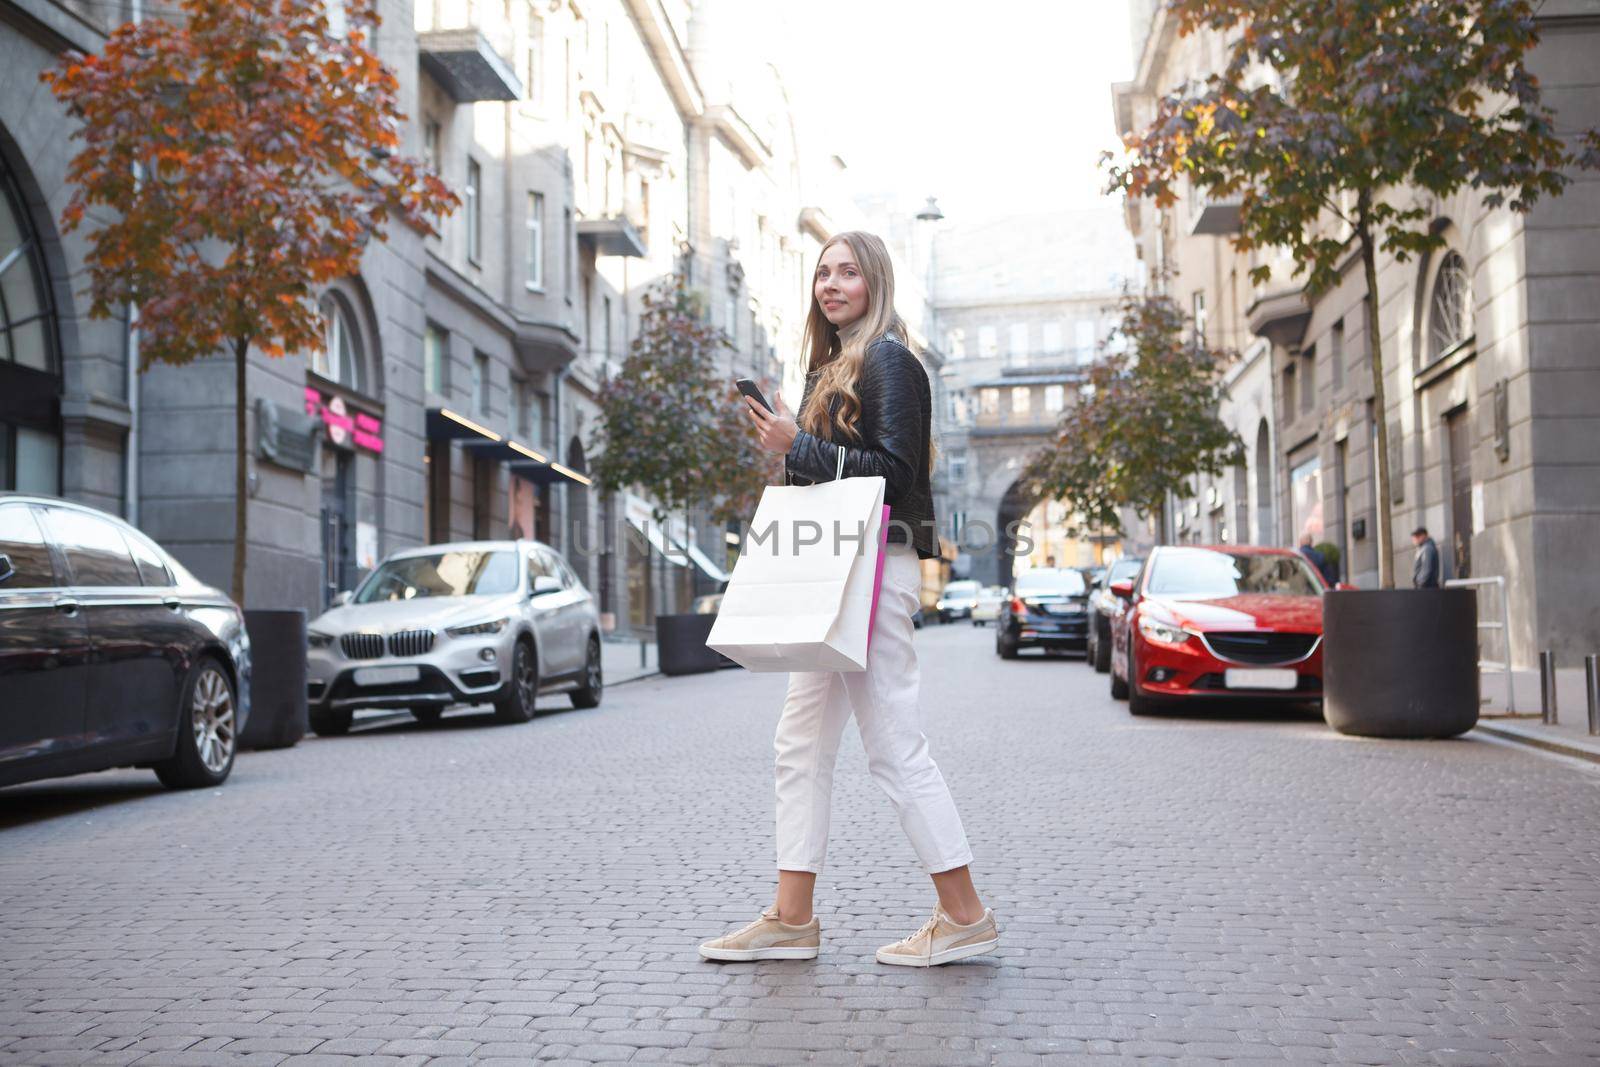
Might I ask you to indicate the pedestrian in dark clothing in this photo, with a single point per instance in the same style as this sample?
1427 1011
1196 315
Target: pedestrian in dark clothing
1318 560
1425 568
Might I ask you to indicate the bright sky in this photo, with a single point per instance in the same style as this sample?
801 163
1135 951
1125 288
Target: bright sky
994 108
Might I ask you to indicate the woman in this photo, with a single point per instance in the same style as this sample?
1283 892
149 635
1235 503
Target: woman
868 395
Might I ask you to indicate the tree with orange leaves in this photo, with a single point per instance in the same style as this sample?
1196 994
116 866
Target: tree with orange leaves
246 154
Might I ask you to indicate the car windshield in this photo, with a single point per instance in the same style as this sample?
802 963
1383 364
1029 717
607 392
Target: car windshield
1206 572
964 588
1048 582
464 573
1123 570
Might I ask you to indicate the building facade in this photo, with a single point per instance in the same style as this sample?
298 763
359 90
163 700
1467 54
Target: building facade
1022 306
597 148
1492 370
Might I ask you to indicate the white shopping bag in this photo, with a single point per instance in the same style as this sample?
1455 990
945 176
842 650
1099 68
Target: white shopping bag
803 591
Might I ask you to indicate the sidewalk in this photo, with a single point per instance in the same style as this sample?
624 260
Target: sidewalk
1569 736
620 659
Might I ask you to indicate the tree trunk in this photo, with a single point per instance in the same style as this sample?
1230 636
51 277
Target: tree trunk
1381 514
241 471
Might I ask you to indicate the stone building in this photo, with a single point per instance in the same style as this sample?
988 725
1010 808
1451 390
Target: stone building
1022 305
1493 373
597 146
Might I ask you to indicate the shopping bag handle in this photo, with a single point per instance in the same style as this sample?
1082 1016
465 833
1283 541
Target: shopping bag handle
838 467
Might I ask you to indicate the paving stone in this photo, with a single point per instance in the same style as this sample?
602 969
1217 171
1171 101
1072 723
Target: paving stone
1237 884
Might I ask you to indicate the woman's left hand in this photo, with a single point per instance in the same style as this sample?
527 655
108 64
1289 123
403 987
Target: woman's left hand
776 430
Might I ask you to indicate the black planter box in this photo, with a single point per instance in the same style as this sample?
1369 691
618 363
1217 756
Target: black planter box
681 644
277 679
1400 662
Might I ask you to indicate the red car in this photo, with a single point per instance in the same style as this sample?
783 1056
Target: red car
1208 621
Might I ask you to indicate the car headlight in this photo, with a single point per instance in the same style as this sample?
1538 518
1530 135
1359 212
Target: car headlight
1164 633
318 640
477 629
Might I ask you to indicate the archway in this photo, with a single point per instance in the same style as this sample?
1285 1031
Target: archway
1266 516
581 545
1014 507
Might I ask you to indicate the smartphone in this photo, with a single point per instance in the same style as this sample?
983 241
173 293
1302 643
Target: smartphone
749 389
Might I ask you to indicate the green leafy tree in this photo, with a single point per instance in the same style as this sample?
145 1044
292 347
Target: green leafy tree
245 155
1333 111
1144 425
671 424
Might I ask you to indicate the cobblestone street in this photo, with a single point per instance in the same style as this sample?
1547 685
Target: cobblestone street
1225 887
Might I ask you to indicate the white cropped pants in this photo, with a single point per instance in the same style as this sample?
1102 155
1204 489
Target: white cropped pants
884 699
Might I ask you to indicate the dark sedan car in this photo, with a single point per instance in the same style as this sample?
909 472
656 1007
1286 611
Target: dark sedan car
111 653
1102 606
1046 610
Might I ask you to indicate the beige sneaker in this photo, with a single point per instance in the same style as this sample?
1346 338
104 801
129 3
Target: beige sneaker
767 939
941 940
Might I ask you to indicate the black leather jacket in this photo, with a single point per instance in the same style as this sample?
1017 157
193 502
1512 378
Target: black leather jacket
896 428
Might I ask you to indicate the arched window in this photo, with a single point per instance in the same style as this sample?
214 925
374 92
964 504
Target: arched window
342 360
26 329
1450 310
30 428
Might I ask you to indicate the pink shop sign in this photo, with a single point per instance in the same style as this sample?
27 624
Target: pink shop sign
345 427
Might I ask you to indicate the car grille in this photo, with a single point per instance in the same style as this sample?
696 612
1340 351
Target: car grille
410 643
361 646
1262 647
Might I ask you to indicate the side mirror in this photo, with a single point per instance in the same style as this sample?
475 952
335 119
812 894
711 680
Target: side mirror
6 569
545 583
341 599
1346 586
1123 590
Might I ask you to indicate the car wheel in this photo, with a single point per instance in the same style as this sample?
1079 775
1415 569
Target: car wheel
588 695
1007 649
428 714
522 690
207 730
331 723
1119 687
1102 652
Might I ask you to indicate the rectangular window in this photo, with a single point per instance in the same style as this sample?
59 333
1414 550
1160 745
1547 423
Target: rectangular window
1308 380
732 319
473 210
480 383
1336 356
1083 340
536 241
1054 398
1052 342
1019 339
533 68
989 401
1197 312
1021 399
524 397
29 460
988 341
431 135
958 467
435 350
1305 497
1287 394
605 327
569 254
956 342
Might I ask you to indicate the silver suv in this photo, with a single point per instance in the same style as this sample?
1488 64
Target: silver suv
472 622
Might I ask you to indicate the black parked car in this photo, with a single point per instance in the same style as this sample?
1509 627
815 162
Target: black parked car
1102 607
1046 610
111 653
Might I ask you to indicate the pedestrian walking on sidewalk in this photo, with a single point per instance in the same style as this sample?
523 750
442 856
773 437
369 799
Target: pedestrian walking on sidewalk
1425 567
867 395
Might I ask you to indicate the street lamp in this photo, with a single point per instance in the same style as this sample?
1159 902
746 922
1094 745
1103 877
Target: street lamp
930 211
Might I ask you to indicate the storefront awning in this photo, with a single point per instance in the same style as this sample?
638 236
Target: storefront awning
531 464
672 549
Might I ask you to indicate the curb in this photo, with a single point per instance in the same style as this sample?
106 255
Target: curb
1536 738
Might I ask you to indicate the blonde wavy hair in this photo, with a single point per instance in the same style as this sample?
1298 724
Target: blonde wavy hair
840 354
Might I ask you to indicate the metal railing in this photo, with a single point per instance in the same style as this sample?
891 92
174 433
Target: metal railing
1504 626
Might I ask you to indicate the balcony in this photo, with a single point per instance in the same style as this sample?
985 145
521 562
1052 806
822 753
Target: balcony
1279 308
1213 218
1007 423
612 235
1059 365
463 45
